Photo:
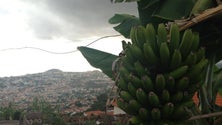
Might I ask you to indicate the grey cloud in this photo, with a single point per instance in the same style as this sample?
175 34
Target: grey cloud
78 18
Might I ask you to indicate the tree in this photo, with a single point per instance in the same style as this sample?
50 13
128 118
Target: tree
196 25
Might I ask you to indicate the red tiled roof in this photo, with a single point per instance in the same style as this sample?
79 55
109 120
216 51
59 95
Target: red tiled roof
95 113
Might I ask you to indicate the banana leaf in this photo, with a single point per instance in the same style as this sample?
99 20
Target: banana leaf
125 23
174 9
99 59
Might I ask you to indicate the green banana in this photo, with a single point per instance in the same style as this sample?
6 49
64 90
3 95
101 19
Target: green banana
155 114
160 82
137 82
144 114
183 83
129 56
177 73
164 54
153 99
140 36
147 83
161 34
131 89
133 35
135 120
134 106
141 96
151 37
136 52
124 72
177 97
126 96
167 110
198 68
176 59
165 96
122 84
195 42
201 54
180 113
191 59
174 37
139 68
126 63
170 83
149 54
186 43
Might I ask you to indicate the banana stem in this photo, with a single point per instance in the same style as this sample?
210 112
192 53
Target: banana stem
204 103
197 117
209 81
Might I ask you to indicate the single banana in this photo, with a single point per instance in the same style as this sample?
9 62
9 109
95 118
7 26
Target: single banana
155 114
134 106
149 54
183 83
135 120
136 52
131 89
186 43
160 82
153 99
167 110
144 114
170 83
147 83
178 97
198 68
140 36
126 96
122 84
176 59
164 54
129 56
201 54
195 42
133 35
165 96
180 113
141 96
139 68
137 82
151 37
161 34
191 59
177 73
174 37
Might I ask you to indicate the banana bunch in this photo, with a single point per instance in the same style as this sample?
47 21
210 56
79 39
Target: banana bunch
159 74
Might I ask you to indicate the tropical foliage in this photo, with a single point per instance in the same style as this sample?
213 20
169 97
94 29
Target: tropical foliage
202 16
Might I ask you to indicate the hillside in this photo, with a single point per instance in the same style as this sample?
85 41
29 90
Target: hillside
65 89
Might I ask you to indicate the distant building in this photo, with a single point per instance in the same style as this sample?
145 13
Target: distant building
112 108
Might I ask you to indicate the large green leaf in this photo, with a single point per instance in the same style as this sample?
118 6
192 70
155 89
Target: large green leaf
99 59
174 9
146 8
125 23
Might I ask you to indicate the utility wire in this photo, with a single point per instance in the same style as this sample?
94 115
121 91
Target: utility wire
52 52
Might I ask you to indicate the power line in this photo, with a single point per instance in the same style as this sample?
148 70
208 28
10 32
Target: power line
52 52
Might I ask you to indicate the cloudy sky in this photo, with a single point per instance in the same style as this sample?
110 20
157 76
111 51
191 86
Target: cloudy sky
54 25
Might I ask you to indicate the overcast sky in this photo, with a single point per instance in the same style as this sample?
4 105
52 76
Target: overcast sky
54 25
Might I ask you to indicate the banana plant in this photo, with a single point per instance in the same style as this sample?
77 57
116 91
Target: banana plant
208 30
